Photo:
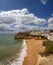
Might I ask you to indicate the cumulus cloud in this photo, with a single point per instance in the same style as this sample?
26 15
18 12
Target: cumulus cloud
40 21
50 20
51 14
43 1
19 20
50 26
50 23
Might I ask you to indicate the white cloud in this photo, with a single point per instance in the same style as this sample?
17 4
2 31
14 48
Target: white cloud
50 26
17 20
51 14
40 21
50 20
43 1
50 23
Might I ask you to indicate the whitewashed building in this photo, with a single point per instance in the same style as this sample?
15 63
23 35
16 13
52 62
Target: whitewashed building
50 36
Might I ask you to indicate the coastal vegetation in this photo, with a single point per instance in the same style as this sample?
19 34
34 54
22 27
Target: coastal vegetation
48 48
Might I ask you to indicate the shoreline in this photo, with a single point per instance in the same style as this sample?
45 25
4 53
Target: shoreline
23 54
33 49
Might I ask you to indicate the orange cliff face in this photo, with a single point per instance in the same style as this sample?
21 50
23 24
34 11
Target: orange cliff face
26 35
23 36
29 35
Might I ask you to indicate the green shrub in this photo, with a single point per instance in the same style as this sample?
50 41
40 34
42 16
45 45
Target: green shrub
49 46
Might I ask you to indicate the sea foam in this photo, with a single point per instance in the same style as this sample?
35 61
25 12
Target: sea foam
23 54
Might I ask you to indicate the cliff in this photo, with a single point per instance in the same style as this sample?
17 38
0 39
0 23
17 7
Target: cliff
23 35
27 35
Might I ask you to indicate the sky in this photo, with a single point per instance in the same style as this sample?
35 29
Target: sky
24 15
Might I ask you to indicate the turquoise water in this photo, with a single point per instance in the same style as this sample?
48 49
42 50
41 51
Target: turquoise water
9 49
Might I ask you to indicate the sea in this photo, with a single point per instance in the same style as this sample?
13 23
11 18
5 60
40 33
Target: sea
12 52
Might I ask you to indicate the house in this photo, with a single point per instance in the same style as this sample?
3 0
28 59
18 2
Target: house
50 36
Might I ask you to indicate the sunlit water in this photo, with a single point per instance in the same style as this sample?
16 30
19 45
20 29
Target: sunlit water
12 51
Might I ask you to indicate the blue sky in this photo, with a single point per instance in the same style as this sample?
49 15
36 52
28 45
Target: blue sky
22 15
34 6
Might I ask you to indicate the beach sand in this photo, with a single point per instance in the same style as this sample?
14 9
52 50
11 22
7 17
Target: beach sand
33 48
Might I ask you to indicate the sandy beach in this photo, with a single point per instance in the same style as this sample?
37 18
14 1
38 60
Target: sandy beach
33 48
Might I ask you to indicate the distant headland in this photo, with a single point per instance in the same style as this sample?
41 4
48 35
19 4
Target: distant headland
29 35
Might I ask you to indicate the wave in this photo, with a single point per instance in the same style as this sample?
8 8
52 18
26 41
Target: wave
23 54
